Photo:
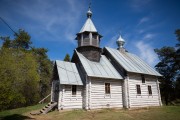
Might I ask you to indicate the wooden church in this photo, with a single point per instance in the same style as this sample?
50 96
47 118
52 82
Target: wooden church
103 77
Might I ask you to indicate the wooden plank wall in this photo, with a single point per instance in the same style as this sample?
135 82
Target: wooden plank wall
98 99
69 101
144 99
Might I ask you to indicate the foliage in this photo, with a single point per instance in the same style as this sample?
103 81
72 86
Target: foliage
19 79
25 72
21 40
67 58
44 70
169 66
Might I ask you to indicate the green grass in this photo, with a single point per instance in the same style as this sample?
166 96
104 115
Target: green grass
155 113
20 111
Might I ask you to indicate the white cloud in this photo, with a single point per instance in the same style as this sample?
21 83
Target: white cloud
59 19
112 41
143 20
149 36
147 53
140 31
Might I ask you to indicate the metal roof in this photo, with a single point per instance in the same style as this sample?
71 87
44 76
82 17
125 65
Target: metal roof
88 26
131 62
102 69
68 73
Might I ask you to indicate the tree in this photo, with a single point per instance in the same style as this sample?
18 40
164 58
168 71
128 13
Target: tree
169 67
25 72
177 65
21 41
19 79
67 58
44 69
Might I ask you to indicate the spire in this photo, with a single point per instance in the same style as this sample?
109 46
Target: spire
120 42
89 13
88 26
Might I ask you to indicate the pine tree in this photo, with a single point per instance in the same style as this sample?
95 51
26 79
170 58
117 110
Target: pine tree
169 66
67 58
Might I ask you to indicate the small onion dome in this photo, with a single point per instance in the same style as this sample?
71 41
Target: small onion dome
120 42
89 13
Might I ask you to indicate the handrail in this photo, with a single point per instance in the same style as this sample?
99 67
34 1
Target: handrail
44 98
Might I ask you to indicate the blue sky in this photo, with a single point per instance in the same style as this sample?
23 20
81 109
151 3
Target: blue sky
53 24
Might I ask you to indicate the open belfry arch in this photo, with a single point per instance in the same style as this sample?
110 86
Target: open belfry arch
103 78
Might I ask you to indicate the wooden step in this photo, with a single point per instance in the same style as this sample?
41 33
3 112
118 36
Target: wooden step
48 107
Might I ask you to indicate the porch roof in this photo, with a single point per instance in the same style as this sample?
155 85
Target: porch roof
68 73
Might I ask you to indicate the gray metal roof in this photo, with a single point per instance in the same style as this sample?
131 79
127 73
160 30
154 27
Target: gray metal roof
102 69
68 73
131 62
88 26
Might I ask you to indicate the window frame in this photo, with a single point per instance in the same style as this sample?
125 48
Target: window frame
107 87
143 79
74 87
149 90
138 89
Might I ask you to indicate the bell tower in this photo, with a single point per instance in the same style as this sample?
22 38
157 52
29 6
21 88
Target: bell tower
88 40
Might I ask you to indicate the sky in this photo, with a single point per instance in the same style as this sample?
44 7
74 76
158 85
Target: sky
53 24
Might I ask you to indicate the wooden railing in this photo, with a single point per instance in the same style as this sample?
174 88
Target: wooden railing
41 101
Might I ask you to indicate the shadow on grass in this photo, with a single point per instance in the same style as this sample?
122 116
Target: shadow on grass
15 117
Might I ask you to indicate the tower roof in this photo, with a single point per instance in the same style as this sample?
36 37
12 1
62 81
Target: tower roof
88 25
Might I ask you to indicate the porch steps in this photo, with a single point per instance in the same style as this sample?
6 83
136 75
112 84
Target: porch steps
46 108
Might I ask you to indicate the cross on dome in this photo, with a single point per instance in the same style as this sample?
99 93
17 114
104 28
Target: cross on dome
89 13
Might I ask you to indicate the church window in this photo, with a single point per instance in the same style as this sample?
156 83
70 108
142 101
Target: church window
74 89
143 78
107 88
149 90
138 88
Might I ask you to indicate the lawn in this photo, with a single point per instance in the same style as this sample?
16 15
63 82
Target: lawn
17 114
156 113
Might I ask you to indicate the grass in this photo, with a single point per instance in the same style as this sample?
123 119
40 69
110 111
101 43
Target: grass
155 113
19 111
